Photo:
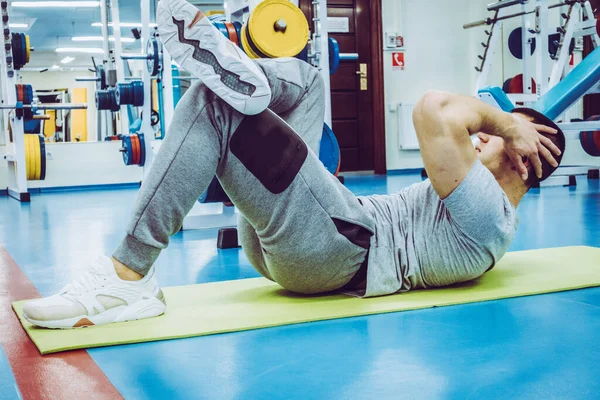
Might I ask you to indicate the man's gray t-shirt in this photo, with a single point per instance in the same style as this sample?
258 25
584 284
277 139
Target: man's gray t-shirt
421 241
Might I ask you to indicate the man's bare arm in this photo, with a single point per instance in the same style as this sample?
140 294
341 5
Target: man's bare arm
444 123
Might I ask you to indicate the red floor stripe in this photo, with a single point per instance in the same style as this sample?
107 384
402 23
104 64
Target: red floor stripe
69 375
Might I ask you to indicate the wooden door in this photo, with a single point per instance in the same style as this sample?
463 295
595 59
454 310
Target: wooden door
358 112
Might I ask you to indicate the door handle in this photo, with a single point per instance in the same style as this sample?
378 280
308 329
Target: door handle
364 76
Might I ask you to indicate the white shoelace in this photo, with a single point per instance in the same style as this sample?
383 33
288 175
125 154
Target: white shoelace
88 281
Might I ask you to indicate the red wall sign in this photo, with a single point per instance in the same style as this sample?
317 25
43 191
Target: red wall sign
398 61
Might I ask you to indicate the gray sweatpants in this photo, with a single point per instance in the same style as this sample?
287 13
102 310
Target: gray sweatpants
309 238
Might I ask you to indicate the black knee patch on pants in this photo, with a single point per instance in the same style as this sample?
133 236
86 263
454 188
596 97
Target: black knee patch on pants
360 236
270 149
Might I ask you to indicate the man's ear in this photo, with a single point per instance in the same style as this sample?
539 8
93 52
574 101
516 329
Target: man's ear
528 165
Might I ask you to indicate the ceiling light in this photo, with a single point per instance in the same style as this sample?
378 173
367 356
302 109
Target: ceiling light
123 24
67 60
89 50
56 4
55 67
18 26
99 39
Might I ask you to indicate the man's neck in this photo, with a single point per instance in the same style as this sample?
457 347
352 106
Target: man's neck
513 186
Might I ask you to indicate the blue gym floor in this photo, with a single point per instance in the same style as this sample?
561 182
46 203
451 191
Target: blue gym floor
534 347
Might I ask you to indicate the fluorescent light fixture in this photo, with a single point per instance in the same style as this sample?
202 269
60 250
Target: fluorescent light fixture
123 25
56 4
18 26
99 39
88 50
67 60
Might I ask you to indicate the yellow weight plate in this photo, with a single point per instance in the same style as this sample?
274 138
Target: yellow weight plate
32 157
28 166
37 157
246 46
27 48
278 28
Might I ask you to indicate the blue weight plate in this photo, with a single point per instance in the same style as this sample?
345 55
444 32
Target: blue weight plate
515 45
329 152
334 56
238 29
221 27
23 49
142 150
128 154
138 93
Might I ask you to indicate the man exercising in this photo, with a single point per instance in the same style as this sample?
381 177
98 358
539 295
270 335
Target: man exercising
299 226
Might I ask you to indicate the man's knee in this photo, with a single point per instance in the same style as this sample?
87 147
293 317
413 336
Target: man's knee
270 149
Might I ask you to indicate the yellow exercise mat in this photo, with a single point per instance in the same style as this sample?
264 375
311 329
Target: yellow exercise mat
257 303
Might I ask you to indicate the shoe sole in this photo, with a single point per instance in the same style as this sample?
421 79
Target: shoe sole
204 52
142 309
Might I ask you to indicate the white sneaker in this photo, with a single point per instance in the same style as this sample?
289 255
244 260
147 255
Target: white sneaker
206 53
97 297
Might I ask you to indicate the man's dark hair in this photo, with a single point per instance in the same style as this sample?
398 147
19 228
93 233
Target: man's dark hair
558 139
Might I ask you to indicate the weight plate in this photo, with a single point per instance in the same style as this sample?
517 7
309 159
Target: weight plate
27 49
249 48
20 96
506 85
134 150
231 32
153 62
142 149
588 143
16 50
595 139
28 100
515 44
43 158
127 153
516 85
278 28
334 56
138 93
113 98
238 32
590 140
329 152
32 155
38 156
222 28
554 41
28 166
24 50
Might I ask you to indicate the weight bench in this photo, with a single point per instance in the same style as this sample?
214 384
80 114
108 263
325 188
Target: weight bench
573 87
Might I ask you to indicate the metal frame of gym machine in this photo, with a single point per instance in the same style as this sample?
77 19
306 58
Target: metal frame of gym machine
578 22
207 216
114 59
17 173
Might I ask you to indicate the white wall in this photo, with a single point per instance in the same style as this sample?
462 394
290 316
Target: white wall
438 55
441 55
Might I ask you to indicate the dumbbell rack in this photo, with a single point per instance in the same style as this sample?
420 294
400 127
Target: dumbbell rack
17 173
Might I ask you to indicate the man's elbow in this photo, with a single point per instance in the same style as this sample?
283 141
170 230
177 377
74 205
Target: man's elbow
431 104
